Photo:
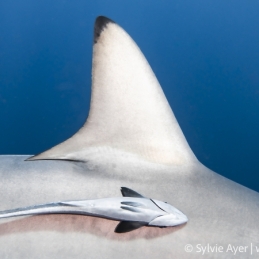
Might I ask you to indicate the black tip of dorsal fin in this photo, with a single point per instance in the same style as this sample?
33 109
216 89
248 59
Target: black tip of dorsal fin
126 192
100 23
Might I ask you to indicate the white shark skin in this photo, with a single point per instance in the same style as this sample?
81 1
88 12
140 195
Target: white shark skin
220 212
148 212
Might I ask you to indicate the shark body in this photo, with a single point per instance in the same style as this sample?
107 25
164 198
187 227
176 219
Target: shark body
131 138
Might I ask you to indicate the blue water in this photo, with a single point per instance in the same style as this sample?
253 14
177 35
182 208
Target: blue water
204 53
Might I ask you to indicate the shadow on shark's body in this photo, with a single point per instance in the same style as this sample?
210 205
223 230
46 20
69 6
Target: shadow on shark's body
83 224
131 138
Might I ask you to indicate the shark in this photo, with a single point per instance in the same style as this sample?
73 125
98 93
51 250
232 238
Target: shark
133 211
131 137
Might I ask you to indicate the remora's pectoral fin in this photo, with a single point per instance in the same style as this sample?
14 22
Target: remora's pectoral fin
126 192
129 112
127 226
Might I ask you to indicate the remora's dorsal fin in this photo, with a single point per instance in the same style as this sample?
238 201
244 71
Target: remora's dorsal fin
128 110
126 192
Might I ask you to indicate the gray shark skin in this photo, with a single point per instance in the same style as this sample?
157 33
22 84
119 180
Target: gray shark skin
133 211
131 138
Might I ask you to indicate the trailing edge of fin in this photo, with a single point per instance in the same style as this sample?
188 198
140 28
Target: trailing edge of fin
128 110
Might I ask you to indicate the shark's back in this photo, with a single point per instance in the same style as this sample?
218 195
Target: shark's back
131 138
220 211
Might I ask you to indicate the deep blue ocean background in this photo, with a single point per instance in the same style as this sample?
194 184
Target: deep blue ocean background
204 53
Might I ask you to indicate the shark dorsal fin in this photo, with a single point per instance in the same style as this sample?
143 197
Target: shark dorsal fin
129 111
126 192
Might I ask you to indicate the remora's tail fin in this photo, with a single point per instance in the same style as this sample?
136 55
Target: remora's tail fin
128 111
49 208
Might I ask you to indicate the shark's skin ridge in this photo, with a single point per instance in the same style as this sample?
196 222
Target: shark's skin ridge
131 209
131 138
